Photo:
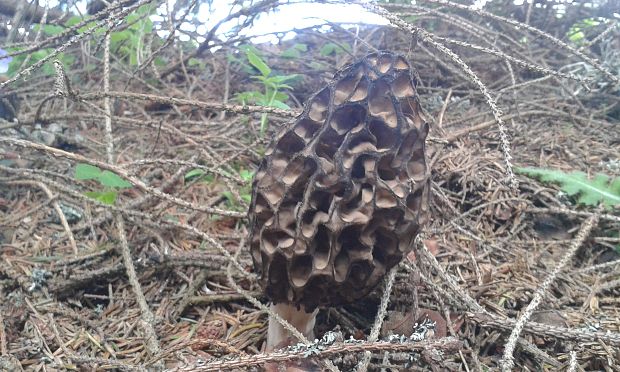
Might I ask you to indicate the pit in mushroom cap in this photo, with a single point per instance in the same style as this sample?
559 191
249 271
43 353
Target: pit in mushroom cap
342 191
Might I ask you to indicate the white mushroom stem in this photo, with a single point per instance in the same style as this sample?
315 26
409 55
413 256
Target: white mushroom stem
278 336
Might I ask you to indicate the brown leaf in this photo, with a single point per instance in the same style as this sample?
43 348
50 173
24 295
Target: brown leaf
212 330
441 326
487 272
594 308
432 245
503 213
411 257
550 317
398 322
403 323
551 227
457 321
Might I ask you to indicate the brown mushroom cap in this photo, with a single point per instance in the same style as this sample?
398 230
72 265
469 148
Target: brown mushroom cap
342 191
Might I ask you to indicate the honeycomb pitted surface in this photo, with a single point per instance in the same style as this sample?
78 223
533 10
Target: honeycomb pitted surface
342 191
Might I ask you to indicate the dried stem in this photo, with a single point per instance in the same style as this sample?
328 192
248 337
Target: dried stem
447 344
362 366
147 317
507 361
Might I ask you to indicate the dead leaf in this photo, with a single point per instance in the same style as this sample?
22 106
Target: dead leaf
487 272
457 321
411 257
594 305
441 326
215 330
503 213
398 322
550 317
432 245
403 323
551 227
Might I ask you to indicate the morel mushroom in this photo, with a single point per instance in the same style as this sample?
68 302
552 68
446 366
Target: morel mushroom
341 193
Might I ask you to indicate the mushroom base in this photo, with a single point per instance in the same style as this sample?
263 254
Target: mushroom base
278 337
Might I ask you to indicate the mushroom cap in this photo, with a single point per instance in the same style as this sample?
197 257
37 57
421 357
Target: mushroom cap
343 190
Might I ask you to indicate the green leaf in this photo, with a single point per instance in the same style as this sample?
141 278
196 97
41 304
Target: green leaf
133 58
229 197
48 69
87 172
316 65
577 32
73 21
233 59
290 53
242 62
159 61
88 26
204 177
106 197
279 104
110 179
258 63
262 101
327 49
249 48
251 97
39 55
117 37
588 192
332 48
284 86
124 51
194 173
145 25
577 36
50 30
301 47
193 62
281 96
294 51
67 60
282 78
14 66
148 26
246 175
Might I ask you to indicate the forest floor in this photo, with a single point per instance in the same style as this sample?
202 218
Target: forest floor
160 273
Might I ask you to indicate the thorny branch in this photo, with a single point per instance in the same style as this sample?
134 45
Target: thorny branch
446 345
507 361
147 319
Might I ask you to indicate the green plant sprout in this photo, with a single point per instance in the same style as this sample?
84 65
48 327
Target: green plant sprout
577 32
295 51
231 202
111 181
245 191
128 45
199 173
601 189
333 48
271 96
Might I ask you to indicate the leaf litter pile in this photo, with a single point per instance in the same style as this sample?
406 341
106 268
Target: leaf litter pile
122 206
